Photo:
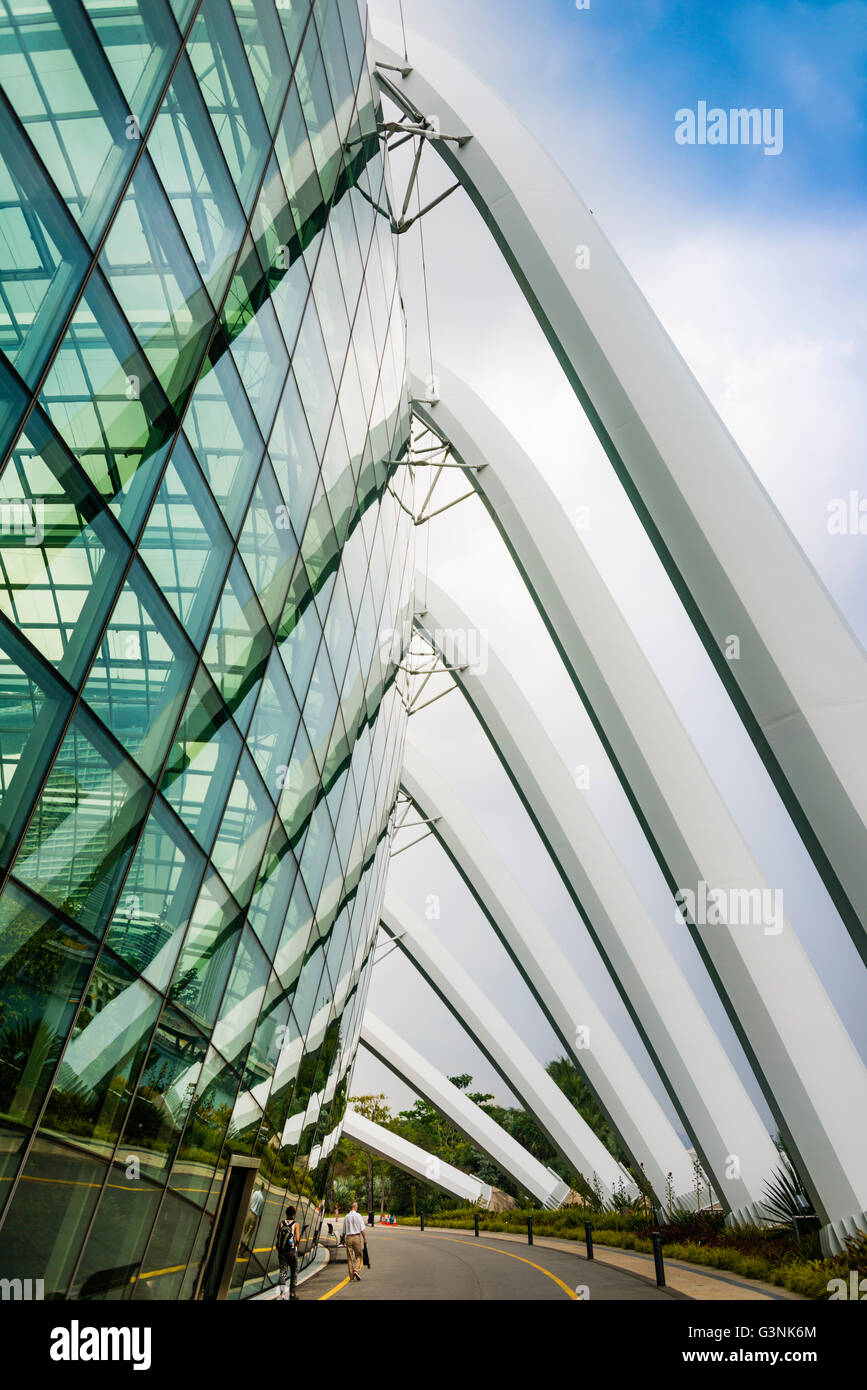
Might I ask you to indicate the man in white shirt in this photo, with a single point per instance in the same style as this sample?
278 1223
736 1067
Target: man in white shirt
353 1237
257 1202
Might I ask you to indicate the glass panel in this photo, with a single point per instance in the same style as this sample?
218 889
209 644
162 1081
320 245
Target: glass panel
104 401
342 227
328 294
101 1065
150 269
61 557
182 9
162 1267
291 952
316 850
352 33
44 966
312 87
339 629
151 918
298 170
262 37
185 543
293 457
300 789
83 832
139 681
218 58
262 360
320 706
272 731
42 259
202 1146
112 1260
162 1101
310 365
55 74
269 904
242 1002
193 172
202 762
240 844
237 649
339 481
49 1213
33 710
293 16
206 959
140 41
299 632
268 545
289 290
223 435
340 81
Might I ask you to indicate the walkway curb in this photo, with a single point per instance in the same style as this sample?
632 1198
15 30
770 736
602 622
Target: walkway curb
317 1264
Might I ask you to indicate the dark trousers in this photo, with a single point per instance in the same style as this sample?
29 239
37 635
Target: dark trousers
288 1269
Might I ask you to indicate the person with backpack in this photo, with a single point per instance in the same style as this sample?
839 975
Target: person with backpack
288 1238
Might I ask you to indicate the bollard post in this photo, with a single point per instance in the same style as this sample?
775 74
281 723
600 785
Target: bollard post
588 1236
656 1241
476 1222
422 1220
529 1230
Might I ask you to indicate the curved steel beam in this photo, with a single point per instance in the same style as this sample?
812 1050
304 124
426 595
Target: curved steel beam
467 1117
689 827
800 681
567 1130
412 1159
630 1106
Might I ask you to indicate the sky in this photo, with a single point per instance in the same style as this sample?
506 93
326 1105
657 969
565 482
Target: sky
755 265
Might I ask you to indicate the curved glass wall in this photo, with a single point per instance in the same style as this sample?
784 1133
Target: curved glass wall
202 537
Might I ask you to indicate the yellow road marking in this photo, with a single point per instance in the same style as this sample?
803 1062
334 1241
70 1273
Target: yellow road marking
494 1251
570 1293
117 1186
336 1289
155 1273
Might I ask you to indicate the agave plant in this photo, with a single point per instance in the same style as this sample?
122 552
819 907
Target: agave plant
785 1196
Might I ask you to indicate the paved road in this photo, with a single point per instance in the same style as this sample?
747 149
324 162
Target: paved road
408 1265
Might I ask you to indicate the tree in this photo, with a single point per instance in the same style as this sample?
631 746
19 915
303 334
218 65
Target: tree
376 1109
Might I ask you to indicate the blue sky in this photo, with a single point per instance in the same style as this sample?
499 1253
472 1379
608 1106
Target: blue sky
638 61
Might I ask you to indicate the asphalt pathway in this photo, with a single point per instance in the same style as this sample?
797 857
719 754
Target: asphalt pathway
410 1265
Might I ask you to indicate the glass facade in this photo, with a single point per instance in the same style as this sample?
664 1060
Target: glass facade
204 535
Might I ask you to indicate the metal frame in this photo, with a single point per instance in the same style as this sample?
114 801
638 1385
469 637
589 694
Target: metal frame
701 1081
412 1159
620 1090
793 1051
508 1054
467 1117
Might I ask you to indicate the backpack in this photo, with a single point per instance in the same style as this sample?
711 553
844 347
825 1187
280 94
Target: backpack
286 1238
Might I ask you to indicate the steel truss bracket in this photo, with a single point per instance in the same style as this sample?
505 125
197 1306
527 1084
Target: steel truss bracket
426 130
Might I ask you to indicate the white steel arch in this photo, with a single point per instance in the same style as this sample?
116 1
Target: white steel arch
728 1133
472 1121
794 1037
800 684
631 1107
567 1130
404 1154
